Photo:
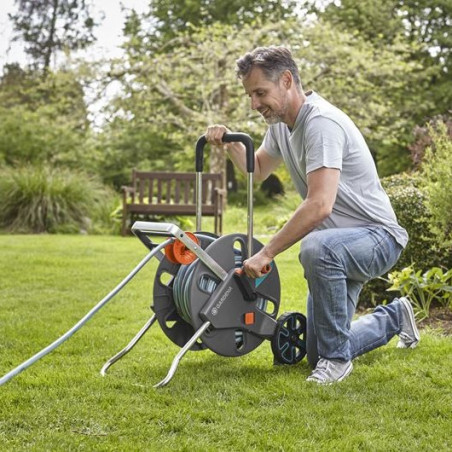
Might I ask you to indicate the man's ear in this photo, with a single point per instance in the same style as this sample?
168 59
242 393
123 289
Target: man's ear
287 79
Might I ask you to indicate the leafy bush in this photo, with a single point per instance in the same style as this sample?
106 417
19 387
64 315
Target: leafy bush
436 170
44 199
44 120
424 139
423 289
410 203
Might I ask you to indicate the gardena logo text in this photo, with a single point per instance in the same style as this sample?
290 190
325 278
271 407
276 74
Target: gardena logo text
217 307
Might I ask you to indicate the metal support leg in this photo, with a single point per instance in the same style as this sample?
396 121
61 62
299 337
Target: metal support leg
181 354
129 346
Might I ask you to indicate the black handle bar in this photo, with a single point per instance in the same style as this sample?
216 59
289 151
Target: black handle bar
227 138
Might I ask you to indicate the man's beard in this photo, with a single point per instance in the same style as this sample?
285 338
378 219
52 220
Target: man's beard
272 117
275 116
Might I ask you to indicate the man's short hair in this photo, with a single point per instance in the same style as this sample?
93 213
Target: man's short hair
273 61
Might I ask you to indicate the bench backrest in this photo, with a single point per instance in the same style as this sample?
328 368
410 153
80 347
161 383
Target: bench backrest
173 188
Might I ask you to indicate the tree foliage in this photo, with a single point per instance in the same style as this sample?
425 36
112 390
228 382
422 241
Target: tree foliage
425 24
169 97
423 137
43 120
178 76
49 26
380 87
168 18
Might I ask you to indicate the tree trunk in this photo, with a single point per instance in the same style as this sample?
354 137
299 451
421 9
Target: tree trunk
50 42
218 161
218 154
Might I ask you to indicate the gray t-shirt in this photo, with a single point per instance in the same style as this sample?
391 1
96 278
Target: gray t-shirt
324 136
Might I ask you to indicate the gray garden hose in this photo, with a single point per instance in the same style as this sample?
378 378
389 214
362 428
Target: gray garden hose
45 351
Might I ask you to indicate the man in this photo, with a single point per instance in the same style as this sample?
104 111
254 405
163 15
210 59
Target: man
349 229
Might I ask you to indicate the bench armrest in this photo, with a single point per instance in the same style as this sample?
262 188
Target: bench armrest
220 191
127 189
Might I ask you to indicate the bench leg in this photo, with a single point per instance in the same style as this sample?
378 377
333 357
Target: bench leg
219 224
124 222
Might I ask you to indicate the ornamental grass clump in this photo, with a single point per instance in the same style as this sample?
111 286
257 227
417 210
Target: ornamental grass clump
44 199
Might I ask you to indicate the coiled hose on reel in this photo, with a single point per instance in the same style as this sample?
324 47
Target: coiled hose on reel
182 284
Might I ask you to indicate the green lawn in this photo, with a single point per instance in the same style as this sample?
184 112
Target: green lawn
395 400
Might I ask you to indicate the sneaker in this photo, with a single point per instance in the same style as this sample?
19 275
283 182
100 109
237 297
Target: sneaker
409 334
329 371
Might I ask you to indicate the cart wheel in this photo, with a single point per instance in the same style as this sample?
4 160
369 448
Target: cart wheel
289 342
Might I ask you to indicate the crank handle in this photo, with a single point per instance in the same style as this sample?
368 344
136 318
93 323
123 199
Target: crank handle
247 285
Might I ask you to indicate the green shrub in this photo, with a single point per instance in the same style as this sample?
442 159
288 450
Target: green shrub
409 201
436 170
44 199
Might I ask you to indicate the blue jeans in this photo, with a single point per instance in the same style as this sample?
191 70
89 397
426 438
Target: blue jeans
337 263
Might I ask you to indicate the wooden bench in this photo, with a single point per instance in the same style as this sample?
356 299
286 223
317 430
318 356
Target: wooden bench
168 194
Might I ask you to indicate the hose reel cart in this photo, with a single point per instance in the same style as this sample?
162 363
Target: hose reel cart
202 298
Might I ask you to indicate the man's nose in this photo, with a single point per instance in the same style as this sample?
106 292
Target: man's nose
255 104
